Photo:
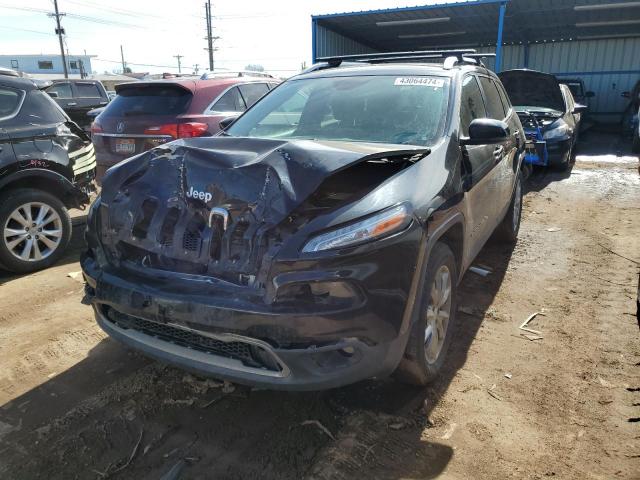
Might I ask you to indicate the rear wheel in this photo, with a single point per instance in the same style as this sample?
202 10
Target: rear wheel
431 334
35 229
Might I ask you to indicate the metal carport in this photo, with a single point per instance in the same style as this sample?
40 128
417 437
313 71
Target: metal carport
593 40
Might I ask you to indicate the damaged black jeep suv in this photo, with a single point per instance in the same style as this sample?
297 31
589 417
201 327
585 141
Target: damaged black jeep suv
321 238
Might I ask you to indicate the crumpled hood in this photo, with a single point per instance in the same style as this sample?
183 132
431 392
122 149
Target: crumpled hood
220 205
271 176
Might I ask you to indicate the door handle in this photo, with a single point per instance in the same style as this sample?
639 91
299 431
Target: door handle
72 104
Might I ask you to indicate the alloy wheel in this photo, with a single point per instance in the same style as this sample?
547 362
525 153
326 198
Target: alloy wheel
33 232
438 314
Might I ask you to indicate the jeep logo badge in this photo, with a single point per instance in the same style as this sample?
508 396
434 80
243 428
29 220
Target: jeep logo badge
120 127
195 194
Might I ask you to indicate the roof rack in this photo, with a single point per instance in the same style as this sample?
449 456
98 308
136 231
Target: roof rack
234 73
452 58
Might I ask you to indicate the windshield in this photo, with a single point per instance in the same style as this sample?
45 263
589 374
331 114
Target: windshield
149 100
381 109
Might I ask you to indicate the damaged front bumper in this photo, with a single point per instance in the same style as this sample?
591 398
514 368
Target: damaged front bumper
230 332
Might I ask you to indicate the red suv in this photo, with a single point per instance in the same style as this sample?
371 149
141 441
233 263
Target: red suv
144 115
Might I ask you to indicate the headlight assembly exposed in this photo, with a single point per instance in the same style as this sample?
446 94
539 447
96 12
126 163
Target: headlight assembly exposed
379 225
560 130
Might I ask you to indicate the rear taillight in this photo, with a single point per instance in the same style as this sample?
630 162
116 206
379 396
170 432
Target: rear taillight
192 129
179 130
96 128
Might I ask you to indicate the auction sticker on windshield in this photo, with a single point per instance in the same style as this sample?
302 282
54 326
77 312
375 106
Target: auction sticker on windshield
420 81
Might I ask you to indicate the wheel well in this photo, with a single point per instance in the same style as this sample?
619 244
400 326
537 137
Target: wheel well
42 183
454 239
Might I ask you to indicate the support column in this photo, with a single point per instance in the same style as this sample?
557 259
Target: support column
314 26
503 9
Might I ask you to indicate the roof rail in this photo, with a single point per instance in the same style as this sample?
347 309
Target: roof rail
235 73
452 58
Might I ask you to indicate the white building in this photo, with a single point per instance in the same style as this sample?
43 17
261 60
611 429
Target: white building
51 64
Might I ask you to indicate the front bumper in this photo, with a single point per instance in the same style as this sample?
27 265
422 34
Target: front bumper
308 347
559 150
312 368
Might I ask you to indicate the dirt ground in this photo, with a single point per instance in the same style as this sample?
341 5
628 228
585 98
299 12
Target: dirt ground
74 404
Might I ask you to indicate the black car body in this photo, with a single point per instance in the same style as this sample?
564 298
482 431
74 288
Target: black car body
47 164
301 249
541 101
78 97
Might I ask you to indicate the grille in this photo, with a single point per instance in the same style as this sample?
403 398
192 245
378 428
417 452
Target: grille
236 350
191 241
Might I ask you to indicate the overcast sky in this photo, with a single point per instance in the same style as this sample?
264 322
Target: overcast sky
275 34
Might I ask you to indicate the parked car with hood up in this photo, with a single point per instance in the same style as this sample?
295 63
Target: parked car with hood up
549 114
321 239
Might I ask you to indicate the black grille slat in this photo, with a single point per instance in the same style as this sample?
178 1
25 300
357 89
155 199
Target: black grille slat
185 338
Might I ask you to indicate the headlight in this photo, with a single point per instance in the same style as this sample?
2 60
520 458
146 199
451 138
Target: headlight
559 131
377 226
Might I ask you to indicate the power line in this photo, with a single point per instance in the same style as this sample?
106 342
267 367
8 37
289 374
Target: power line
134 63
26 30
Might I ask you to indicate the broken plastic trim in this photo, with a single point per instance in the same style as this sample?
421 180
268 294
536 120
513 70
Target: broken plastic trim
380 225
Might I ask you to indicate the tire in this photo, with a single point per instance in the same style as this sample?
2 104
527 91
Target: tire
20 243
568 162
423 359
508 229
635 146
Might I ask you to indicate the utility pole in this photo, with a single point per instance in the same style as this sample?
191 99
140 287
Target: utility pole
178 57
207 7
60 33
124 65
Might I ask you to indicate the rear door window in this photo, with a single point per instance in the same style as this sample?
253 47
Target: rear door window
472 106
149 100
252 92
492 97
87 90
62 89
506 104
231 101
39 109
9 101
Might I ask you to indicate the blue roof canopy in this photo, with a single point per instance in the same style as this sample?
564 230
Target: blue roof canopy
475 23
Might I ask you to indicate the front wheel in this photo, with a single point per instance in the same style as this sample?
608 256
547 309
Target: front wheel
635 147
35 230
510 225
431 334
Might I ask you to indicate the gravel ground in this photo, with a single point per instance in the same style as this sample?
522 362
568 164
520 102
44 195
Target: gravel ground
74 404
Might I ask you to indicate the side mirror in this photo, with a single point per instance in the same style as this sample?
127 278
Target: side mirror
578 108
226 122
484 131
589 94
53 94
